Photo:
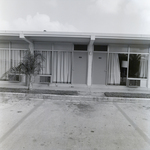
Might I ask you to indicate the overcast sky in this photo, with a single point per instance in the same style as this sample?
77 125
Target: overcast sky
100 16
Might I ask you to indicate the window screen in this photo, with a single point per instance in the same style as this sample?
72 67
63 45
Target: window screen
100 47
80 47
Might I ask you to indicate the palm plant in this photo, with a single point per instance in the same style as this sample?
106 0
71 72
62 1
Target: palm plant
30 66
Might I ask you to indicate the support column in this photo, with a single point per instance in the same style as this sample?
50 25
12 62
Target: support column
148 77
90 58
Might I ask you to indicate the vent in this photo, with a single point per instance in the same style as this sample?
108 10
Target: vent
14 77
80 47
45 79
133 83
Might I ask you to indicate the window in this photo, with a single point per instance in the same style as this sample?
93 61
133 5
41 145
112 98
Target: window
138 66
100 47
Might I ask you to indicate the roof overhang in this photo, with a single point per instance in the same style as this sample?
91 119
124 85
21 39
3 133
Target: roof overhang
74 37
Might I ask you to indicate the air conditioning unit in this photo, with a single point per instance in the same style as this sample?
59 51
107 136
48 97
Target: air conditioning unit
133 83
45 78
14 77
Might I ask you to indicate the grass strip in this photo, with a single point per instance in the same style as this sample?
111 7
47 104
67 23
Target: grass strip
38 91
127 95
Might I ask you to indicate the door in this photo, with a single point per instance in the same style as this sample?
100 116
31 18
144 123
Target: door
99 68
80 68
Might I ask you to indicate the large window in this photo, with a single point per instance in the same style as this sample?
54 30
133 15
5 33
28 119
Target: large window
4 64
123 61
138 65
62 66
9 59
133 64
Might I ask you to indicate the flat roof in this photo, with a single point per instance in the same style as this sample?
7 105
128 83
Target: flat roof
76 37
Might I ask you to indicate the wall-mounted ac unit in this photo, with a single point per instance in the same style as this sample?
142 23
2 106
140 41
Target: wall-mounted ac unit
133 83
45 79
14 77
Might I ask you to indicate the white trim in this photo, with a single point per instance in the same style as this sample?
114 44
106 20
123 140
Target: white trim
52 61
104 52
118 52
43 50
148 76
137 79
75 34
72 62
9 55
107 66
12 49
80 51
138 53
128 64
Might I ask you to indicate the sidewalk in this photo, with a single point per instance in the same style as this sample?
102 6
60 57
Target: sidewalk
80 88
93 93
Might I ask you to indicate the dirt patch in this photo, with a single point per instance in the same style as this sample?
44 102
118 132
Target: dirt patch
82 109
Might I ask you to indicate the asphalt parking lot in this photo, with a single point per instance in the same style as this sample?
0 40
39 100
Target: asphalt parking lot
37 124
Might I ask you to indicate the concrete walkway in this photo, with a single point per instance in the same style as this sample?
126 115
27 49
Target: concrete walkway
83 89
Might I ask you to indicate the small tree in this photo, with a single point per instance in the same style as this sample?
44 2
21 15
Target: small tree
30 66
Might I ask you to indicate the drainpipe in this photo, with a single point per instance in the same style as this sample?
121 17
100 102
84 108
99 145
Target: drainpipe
31 46
90 58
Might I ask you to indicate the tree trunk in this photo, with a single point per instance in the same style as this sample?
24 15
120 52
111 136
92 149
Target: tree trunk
29 81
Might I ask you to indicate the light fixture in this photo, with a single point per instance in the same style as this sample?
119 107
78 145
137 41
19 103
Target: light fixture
124 64
90 53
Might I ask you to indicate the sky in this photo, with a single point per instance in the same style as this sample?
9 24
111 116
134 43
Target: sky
98 16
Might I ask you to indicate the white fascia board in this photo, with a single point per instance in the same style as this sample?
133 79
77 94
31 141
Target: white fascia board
51 34
124 37
76 35
46 34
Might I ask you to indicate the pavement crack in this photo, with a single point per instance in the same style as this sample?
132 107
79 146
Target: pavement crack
18 123
143 135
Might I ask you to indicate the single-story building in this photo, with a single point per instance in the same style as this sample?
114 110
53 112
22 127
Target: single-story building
80 58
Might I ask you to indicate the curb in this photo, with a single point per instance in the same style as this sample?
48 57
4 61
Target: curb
79 98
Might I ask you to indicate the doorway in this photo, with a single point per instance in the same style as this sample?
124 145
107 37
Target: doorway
80 68
99 68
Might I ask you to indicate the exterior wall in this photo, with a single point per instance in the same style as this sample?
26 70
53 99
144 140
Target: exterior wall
19 45
4 45
42 46
88 67
118 48
63 47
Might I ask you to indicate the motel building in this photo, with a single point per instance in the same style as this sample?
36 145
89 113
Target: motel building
87 59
